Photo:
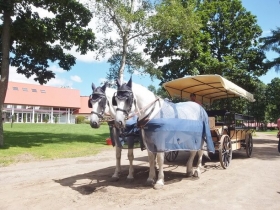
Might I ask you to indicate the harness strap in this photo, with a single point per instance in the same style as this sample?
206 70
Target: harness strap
146 119
98 114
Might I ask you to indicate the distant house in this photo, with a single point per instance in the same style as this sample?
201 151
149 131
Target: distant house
84 110
39 103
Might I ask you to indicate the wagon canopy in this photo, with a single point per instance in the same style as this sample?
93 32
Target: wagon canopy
206 87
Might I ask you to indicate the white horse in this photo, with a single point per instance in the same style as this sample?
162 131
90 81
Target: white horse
101 103
148 106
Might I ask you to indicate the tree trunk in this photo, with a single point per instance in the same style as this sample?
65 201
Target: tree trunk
4 76
122 64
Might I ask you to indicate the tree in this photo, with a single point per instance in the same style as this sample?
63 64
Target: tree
152 89
258 108
134 21
227 44
273 43
128 19
34 41
273 100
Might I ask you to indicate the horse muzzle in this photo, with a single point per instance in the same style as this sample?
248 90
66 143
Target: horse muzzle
119 124
94 124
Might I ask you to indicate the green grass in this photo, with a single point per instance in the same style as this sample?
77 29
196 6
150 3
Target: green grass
269 132
27 142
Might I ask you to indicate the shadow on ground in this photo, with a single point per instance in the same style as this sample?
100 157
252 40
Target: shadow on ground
99 180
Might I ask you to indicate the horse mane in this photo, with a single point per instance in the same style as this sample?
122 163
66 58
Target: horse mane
137 87
110 92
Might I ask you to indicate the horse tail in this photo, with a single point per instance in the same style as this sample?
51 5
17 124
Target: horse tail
206 154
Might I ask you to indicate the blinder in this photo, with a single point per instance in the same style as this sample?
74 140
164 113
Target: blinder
114 102
124 95
96 96
89 103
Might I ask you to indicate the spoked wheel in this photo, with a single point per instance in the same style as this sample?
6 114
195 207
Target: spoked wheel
225 151
171 156
249 144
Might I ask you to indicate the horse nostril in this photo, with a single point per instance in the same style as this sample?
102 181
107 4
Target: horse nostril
94 124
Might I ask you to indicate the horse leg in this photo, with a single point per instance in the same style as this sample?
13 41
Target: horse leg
130 157
115 176
190 164
160 181
197 172
152 171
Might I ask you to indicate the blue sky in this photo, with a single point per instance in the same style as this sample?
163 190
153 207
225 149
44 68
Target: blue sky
87 70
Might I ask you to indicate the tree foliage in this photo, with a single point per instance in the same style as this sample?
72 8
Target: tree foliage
273 43
133 22
273 100
226 44
124 25
34 42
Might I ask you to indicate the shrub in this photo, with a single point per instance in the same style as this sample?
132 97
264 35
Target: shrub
55 119
46 119
80 119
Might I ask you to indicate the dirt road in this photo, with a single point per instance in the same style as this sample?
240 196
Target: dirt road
84 183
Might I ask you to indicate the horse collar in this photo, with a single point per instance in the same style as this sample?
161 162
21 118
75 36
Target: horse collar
146 119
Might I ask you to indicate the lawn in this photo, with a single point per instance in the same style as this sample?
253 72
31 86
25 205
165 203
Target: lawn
28 142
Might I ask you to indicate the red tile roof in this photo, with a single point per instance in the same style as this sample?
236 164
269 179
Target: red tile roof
41 95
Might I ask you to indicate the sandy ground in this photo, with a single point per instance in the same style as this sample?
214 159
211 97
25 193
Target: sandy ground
84 183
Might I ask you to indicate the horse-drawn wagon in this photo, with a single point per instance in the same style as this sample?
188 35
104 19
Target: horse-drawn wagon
229 130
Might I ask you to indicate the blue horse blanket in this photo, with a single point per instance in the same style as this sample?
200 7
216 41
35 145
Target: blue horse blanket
181 126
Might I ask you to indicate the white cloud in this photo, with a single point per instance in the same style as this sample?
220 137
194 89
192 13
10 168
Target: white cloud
15 77
59 82
266 33
42 12
76 78
102 80
56 69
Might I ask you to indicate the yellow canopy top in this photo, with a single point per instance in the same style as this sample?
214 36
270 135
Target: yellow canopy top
206 87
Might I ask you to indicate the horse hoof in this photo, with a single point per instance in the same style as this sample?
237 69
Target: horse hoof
130 180
158 186
189 174
149 183
196 174
114 179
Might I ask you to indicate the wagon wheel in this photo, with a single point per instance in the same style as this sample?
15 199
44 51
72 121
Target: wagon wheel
249 144
171 156
225 151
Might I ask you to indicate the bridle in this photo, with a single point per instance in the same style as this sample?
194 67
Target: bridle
101 97
124 95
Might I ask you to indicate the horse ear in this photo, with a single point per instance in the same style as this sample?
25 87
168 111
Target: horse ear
129 84
92 87
104 86
118 83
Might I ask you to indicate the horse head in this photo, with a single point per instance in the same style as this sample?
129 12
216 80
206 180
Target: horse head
123 99
131 97
98 103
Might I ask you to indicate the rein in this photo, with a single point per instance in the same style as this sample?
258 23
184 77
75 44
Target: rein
144 120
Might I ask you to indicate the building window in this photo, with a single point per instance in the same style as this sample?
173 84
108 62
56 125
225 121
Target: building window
43 91
15 88
34 90
24 89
